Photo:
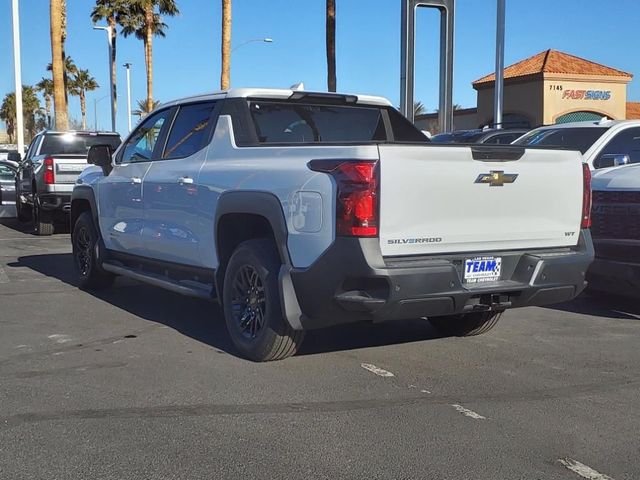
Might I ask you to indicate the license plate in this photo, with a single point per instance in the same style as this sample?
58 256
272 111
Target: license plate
70 168
482 269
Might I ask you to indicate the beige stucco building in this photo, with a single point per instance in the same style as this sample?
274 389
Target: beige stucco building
550 87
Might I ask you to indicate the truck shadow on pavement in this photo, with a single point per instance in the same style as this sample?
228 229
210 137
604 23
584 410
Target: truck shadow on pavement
203 321
602 305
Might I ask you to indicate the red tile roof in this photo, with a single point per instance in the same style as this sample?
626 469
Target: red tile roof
633 110
553 61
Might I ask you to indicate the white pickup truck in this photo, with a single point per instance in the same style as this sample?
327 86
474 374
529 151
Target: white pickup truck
300 210
605 143
612 149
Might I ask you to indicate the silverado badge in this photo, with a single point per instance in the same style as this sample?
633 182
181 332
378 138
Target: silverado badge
496 178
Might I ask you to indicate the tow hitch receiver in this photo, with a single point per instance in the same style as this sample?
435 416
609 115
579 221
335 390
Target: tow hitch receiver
494 302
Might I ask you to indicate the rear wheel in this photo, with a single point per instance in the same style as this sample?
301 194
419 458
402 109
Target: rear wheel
42 219
85 242
251 302
466 325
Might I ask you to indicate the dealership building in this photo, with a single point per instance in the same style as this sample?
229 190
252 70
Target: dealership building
547 88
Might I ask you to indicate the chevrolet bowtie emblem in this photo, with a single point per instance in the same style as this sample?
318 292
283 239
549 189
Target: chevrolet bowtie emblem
496 178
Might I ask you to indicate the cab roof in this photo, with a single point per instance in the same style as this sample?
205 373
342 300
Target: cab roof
282 94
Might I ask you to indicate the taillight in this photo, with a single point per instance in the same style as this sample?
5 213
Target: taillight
586 196
357 195
49 177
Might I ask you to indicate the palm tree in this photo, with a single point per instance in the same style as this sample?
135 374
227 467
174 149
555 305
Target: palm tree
57 63
81 83
418 109
30 106
70 68
225 71
145 21
331 44
45 86
115 12
143 109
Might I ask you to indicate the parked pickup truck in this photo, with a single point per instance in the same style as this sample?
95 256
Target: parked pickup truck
616 231
605 143
46 176
299 210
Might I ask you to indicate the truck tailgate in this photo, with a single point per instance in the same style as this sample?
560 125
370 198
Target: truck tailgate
67 168
439 199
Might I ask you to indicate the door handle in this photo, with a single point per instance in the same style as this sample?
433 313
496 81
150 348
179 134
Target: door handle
136 180
185 181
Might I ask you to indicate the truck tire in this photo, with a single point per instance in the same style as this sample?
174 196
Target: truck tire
251 304
24 214
466 325
42 219
84 239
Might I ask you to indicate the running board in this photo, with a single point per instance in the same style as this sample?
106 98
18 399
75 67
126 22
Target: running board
185 287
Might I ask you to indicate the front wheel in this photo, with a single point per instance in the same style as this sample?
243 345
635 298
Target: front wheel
251 302
85 243
24 213
466 325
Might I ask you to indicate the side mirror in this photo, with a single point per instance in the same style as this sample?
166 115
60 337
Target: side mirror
612 160
100 156
14 156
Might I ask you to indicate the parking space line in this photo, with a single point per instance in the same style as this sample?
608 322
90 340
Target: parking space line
378 371
582 470
3 276
467 412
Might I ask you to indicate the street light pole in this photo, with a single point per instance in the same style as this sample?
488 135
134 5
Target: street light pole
128 67
499 84
264 40
17 70
95 111
112 87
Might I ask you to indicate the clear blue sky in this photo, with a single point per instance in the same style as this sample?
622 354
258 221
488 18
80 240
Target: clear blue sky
187 61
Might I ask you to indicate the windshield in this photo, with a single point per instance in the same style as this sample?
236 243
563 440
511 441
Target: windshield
471 136
574 138
75 144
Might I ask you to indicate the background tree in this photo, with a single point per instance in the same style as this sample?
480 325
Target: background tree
225 70
419 109
45 86
81 83
331 44
143 110
145 21
70 69
57 64
30 108
115 12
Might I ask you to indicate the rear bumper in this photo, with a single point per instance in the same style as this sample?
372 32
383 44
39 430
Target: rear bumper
51 202
351 282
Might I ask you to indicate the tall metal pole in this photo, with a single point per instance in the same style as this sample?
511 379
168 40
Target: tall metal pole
17 70
112 88
407 58
499 84
128 67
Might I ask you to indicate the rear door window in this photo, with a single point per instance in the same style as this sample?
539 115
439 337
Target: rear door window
190 130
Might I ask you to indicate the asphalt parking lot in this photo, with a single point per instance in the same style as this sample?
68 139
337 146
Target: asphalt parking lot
137 382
